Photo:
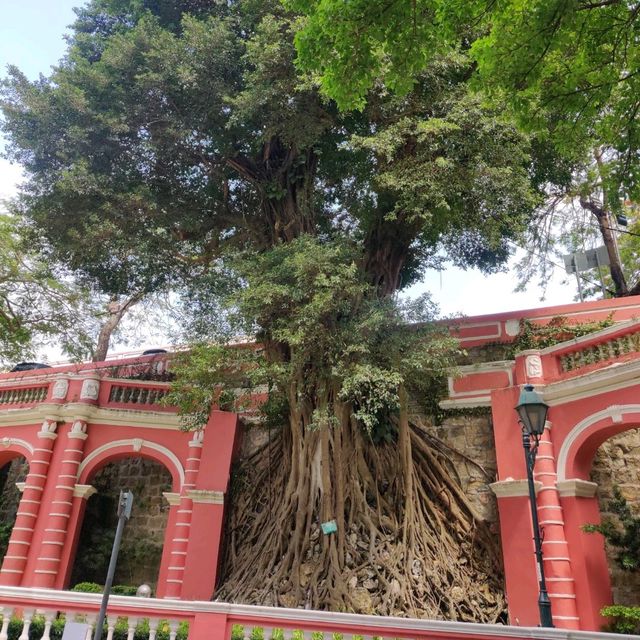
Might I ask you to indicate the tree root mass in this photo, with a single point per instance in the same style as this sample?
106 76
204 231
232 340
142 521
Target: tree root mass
408 542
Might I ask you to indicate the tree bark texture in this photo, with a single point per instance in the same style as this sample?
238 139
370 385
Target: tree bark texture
116 311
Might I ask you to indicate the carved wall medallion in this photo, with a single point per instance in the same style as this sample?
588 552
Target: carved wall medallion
60 389
533 364
90 389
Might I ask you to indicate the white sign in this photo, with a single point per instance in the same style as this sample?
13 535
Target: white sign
75 631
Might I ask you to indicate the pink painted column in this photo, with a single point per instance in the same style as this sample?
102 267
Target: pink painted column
201 565
590 567
48 565
182 526
15 560
555 549
174 502
81 493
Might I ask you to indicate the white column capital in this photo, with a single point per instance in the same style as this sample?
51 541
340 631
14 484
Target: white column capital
576 488
511 488
84 491
172 498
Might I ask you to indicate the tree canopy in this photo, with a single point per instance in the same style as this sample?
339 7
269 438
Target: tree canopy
568 70
153 147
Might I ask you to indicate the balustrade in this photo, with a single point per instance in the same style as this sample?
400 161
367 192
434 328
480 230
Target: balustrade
48 624
23 395
130 394
41 614
600 352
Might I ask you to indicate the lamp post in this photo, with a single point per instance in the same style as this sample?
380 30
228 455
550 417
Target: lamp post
532 414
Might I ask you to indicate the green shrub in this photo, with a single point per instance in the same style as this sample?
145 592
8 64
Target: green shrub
87 587
123 590
623 534
116 589
625 619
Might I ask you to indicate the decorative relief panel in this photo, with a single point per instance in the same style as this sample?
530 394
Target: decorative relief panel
60 389
90 389
533 364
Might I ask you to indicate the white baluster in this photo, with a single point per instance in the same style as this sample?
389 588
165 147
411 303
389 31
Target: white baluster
91 621
48 620
4 632
247 632
173 629
25 627
267 633
153 628
133 623
287 634
111 625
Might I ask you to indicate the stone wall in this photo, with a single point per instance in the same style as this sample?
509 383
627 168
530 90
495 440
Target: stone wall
469 434
617 462
12 472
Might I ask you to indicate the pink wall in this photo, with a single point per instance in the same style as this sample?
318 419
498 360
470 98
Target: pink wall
84 430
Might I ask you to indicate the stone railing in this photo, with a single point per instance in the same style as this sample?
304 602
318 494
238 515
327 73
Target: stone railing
186 620
23 395
138 394
578 356
601 352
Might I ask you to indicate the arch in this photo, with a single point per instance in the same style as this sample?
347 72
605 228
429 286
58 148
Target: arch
145 534
127 447
15 447
581 443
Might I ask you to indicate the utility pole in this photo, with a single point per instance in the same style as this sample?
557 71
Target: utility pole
125 502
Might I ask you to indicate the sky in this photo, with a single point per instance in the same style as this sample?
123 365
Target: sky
31 37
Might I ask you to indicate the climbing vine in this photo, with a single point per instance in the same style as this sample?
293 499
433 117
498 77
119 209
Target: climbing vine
533 335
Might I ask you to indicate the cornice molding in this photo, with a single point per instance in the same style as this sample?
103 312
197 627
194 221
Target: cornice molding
77 411
465 403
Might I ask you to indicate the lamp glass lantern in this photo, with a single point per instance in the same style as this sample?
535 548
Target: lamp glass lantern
532 411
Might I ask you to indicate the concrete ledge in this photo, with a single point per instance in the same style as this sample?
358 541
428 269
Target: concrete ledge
513 488
576 488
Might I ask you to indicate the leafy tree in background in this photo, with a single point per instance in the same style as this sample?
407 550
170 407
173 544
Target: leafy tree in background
176 146
569 69
39 302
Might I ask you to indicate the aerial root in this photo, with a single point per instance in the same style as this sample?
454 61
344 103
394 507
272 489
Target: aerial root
408 540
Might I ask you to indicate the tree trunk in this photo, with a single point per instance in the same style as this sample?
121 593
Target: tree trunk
604 224
387 247
116 311
406 539
284 179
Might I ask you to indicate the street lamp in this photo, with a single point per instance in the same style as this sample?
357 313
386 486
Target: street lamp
532 415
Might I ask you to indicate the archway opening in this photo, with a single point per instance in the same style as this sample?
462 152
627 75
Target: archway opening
143 539
617 464
12 471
